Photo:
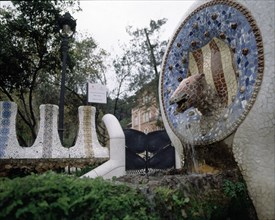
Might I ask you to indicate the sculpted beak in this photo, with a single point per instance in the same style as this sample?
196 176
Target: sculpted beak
182 98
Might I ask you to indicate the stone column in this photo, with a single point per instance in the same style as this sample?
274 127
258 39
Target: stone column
47 143
9 146
87 144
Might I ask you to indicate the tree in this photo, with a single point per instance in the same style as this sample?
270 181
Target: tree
138 66
89 66
147 51
27 37
123 67
30 56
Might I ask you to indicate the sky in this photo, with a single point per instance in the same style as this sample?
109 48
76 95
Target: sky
106 21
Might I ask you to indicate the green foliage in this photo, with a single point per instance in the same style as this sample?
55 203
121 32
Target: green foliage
138 66
230 201
176 205
171 202
146 52
239 200
58 196
30 63
207 206
53 196
121 108
234 190
29 53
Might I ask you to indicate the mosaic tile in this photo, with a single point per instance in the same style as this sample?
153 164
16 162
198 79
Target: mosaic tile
4 126
87 144
47 135
221 40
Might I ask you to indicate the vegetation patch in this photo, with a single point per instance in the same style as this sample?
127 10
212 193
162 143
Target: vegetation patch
196 196
59 196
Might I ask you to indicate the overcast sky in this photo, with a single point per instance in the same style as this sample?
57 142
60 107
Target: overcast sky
106 20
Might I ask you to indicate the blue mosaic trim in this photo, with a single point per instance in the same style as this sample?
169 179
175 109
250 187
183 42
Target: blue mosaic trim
4 126
190 36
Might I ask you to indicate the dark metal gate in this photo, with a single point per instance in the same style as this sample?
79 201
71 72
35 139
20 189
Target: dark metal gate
148 152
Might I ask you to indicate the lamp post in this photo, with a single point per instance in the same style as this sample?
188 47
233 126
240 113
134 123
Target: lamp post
66 25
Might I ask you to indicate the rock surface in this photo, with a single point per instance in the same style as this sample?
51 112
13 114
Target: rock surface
201 188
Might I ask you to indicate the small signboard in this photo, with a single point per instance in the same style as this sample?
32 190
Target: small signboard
97 93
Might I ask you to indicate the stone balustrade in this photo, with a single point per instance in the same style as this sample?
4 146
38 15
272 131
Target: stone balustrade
47 143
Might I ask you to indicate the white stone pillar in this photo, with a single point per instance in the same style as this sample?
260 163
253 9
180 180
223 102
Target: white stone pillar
47 143
9 146
87 144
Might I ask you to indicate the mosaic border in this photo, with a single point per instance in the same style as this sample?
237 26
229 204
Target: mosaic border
260 68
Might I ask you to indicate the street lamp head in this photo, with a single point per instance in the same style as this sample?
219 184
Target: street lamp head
66 25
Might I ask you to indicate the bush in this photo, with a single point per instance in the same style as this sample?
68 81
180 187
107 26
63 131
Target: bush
240 202
230 201
171 202
175 205
56 196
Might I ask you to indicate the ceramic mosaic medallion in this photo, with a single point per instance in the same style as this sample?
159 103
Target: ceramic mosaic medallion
212 72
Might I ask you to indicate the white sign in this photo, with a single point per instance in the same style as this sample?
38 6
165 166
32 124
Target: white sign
97 93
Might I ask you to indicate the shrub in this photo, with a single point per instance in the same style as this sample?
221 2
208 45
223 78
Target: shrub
57 196
171 202
215 203
234 189
196 206
240 207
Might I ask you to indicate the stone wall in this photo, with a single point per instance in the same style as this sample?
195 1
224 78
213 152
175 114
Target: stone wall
47 143
21 167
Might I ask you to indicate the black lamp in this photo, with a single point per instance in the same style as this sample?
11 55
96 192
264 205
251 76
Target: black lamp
66 25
